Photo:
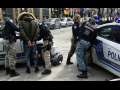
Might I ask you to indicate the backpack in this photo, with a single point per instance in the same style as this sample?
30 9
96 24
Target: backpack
55 59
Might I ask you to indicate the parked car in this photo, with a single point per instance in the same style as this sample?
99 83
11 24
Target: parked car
81 20
53 23
105 51
66 21
87 18
20 51
1 22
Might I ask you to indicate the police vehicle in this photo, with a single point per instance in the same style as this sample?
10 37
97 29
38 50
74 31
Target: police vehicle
105 51
20 56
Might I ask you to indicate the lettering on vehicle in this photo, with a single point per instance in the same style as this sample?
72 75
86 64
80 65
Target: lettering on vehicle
114 56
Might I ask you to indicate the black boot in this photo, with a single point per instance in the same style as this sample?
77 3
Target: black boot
28 71
36 70
68 61
14 73
46 72
7 71
83 75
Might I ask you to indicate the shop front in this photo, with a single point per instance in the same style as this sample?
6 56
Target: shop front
45 13
36 12
67 12
7 12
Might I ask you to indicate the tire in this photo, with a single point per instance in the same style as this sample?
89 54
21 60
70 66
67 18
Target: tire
54 27
89 58
60 27
66 25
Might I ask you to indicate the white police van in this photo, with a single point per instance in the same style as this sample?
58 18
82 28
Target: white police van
20 56
105 51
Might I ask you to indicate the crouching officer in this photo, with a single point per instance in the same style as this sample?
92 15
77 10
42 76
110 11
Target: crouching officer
74 39
87 36
47 37
9 39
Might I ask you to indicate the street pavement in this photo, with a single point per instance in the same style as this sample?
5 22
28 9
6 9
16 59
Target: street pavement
62 72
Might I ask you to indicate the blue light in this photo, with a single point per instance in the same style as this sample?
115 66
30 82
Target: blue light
118 19
96 18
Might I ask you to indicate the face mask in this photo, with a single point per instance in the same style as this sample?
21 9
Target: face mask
11 20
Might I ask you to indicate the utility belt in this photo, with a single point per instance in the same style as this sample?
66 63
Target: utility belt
6 37
10 38
85 39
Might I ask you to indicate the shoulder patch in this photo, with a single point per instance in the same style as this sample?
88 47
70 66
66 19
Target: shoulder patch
40 23
75 27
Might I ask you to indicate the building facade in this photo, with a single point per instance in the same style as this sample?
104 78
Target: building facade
13 13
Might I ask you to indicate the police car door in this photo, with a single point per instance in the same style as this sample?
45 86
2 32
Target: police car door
2 51
106 53
19 49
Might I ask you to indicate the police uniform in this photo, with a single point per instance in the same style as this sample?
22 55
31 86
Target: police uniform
9 45
47 38
74 40
87 35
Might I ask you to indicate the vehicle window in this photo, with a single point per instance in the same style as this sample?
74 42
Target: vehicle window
63 19
58 19
69 19
1 34
50 20
106 32
116 34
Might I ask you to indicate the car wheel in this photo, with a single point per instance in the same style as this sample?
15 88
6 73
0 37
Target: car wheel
54 26
66 25
89 58
60 27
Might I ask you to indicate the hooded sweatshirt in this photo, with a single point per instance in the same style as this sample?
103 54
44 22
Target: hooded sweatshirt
29 28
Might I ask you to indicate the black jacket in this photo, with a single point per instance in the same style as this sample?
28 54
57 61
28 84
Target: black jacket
88 32
100 22
10 28
75 30
44 31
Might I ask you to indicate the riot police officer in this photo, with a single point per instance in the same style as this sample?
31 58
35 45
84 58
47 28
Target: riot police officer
87 35
47 37
9 39
74 39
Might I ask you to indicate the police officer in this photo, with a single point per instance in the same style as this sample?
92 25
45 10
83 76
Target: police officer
87 36
9 39
47 37
74 39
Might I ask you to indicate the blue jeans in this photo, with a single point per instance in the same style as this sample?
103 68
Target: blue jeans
81 51
27 55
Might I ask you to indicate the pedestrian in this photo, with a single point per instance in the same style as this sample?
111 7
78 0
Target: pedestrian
47 37
100 22
107 21
29 31
113 20
9 39
74 39
87 36
16 21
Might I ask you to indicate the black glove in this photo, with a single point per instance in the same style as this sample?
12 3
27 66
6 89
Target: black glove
75 40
